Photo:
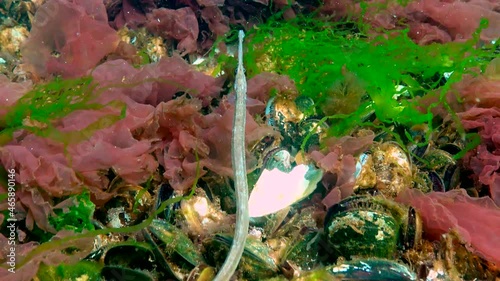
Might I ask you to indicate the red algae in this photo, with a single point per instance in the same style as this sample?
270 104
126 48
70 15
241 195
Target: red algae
77 31
485 159
180 24
428 20
10 92
339 163
476 220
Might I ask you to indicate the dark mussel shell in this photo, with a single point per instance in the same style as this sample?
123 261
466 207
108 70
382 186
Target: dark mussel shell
369 226
131 260
256 262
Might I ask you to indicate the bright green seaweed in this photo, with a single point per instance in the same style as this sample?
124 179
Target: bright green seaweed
318 54
76 217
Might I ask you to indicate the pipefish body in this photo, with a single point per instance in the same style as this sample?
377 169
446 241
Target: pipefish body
239 169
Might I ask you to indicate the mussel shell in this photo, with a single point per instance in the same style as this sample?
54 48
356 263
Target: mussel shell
436 182
452 148
419 150
372 269
119 273
437 159
388 169
317 129
280 110
130 255
418 133
262 148
128 207
283 114
174 252
202 272
305 105
82 270
175 242
199 216
444 166
451 177
278 158
411 230
270 223
131 260
362 226
256 262
303 252
166 192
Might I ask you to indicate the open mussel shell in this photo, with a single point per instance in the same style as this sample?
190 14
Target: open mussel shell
261 149
256 262
368 226
276 190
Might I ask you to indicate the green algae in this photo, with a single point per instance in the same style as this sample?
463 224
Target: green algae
319 56
39 109
76 217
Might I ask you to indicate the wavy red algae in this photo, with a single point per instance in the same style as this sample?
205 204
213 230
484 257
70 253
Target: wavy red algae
477 220
428 20
77 31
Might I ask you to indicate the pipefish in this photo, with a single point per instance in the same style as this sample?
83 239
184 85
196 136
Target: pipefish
239 169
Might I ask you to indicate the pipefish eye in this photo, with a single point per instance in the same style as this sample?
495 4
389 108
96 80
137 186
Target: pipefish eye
243 71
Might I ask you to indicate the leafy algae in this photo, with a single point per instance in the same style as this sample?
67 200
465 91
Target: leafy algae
338 62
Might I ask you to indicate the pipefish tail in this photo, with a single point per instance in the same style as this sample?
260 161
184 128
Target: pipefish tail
239 169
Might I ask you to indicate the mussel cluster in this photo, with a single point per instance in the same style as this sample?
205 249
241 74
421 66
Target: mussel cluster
366 236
